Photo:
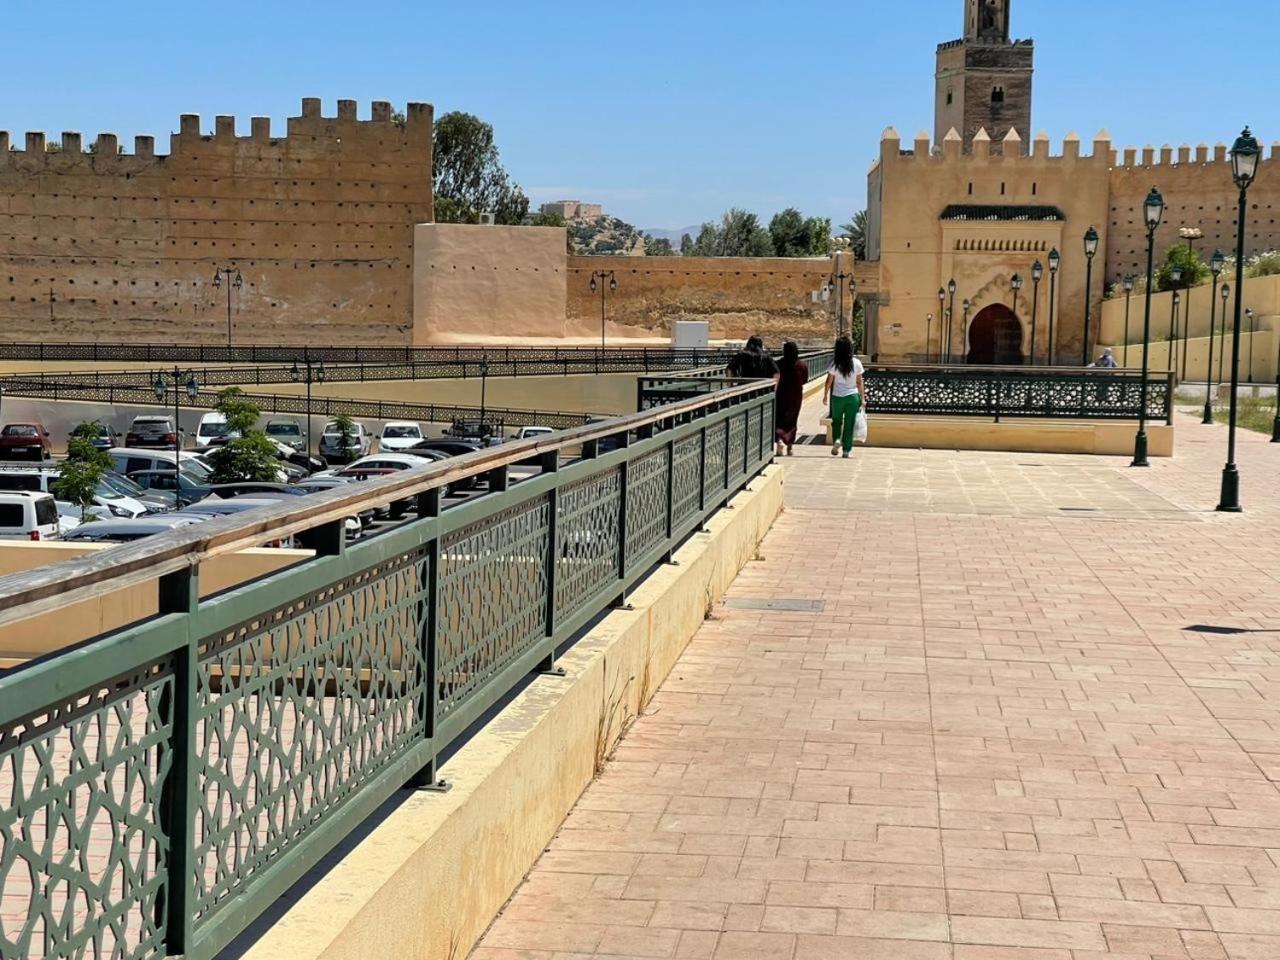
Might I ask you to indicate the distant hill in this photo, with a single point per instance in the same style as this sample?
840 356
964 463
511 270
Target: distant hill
604 235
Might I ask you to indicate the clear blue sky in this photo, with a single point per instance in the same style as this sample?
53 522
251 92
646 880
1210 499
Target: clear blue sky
668 111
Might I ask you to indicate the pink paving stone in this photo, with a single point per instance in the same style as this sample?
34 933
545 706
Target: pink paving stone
990 665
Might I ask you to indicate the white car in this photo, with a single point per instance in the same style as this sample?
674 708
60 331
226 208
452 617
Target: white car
528 433
28 516
331 445
213 426
37 479
399 435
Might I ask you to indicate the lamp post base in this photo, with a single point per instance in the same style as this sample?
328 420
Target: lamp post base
1275 429
1208 410
1229 501
1140 450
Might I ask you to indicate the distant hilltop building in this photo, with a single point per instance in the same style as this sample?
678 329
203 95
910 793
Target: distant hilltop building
572 210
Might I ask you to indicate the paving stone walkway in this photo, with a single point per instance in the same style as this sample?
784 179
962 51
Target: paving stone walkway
995 729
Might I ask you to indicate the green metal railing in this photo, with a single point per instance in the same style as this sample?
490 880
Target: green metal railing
654 391
166 782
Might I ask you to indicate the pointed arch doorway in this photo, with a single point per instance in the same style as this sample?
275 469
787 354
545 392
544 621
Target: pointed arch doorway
995 337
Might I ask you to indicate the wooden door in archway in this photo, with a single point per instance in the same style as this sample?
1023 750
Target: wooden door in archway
995 337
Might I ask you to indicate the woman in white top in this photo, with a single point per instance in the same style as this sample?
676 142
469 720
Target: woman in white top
843 389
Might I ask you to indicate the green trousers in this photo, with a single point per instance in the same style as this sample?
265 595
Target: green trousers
844 416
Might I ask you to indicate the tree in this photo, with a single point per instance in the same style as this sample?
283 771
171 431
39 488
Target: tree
83 470
346 433
707 242
741 235
856 231
250 456
467 175
1188 260
794 235
686 246
657 247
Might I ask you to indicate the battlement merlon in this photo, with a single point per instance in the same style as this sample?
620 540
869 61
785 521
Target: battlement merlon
951 149
1129 160
415 129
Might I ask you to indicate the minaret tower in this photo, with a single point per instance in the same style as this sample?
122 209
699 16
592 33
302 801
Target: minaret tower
984 79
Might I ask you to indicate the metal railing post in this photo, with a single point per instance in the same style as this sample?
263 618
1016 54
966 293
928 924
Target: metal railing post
552 465
671 500
179 593
427 778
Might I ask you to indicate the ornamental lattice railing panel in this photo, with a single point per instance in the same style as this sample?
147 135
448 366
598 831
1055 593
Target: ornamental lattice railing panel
163 784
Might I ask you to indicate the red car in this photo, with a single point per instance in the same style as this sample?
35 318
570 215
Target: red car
25 441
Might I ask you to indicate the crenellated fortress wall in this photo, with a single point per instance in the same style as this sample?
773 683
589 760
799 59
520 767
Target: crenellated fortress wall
96 243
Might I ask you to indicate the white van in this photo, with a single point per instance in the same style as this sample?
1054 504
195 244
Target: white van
213 427
28 516
36 479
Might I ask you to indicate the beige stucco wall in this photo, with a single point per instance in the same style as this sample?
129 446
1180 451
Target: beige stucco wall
319 221
487 282
919 253
112 609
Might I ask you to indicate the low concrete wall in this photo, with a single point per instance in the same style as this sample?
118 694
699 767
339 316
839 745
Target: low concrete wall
428 880
1015 436
111 609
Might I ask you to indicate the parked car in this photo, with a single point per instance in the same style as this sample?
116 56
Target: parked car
106 437
151 431
126 531
398 435
186 484
249 488
332 447
127 460
320 484
287 431
213 426
481 431
528 433
28 516
217 507
42 479
25 441
124 487
450 447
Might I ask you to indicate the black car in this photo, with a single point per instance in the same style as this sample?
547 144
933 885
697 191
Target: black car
444 447
248 488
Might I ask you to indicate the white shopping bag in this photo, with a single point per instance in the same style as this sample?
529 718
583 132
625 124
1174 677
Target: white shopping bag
860 427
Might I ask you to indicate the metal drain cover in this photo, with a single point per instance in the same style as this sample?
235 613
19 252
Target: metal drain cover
790 606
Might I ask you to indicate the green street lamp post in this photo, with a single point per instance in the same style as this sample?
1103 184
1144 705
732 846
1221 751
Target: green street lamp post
484 390
1090 249
1222 347
161 389
1153 212
1249 313
1275 424
1175 277
1191 235
611 287
1127 283
1016 282
313 373
928 338
1037 274
944 316
1055 261
964 330
1215 266
951 309
234 282
1245 154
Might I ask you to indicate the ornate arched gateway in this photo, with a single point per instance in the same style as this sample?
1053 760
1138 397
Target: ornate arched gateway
995 337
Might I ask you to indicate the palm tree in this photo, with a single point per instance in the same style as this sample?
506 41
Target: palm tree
856 232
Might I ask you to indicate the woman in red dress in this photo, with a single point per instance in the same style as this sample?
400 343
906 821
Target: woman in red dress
794 375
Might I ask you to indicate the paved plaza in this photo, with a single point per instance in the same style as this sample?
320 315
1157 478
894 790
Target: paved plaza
968 706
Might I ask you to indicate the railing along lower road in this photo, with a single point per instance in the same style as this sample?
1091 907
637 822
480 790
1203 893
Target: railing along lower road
58 389
465 361
658 390
163 784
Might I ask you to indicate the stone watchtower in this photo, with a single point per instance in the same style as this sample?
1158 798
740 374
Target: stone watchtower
984 79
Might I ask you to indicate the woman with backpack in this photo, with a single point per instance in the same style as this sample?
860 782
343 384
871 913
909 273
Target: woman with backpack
844 389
